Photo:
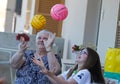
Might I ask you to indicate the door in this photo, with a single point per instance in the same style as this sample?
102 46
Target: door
43 7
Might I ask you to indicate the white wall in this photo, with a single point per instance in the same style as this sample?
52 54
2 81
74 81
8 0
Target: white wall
108 25
73 25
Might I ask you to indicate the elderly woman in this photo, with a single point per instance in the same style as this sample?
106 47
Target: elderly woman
27 71
86 71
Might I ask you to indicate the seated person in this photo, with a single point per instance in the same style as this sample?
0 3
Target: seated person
87 69
27 71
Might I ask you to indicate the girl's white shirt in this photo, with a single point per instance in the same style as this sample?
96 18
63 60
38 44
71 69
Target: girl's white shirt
82 77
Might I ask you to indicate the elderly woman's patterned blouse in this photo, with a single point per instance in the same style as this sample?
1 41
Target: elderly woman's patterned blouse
30 73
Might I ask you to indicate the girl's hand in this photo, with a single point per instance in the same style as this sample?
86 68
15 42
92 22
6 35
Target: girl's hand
41 64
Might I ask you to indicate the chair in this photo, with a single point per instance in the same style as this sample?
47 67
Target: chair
5 69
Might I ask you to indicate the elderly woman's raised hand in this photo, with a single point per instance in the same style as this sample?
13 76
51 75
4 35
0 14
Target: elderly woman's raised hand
23 46
23 38
48 43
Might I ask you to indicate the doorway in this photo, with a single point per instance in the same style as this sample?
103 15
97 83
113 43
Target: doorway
43 7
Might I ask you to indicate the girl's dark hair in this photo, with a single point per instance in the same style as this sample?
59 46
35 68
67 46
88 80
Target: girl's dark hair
93 65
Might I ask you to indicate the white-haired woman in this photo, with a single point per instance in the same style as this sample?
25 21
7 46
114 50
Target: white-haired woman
27 71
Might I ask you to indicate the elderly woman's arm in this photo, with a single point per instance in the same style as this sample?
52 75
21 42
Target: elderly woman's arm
18 58
54 64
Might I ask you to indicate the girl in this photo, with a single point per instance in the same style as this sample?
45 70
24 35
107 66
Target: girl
86 71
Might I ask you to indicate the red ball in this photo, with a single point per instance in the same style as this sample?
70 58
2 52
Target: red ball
59 12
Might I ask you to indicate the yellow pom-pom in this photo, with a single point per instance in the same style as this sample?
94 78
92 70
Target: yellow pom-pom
38 22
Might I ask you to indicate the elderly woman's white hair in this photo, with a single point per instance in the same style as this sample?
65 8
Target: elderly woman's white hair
43 31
